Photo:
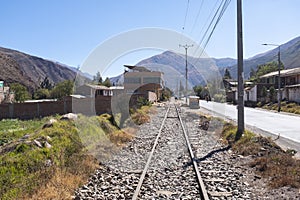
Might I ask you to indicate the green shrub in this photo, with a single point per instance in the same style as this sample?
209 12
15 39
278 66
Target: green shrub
219 98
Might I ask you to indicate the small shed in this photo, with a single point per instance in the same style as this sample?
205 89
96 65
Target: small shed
194 102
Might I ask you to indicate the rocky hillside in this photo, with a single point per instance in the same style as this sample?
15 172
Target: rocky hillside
173 65
290 56
30 70
201 69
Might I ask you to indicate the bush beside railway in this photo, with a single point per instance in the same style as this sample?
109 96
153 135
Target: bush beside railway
269 160
42 160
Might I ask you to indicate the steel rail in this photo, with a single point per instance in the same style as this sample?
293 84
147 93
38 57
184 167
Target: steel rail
202 189
138 188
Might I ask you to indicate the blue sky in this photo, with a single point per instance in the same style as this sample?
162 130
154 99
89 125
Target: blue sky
68 30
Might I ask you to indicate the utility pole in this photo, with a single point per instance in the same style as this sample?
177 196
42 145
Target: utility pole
241 125
186 68
279 81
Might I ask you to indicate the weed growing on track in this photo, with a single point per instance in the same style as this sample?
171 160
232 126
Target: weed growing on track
140 116
269 160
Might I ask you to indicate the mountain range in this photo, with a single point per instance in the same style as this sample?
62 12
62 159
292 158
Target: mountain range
289 53
200 70
28 70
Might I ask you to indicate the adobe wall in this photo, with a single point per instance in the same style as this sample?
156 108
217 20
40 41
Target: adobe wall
88 106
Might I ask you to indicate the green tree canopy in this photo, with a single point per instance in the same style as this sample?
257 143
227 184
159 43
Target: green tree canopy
46 84
107 82
62 89
265 69
42 94
98 78
198 89
227 74
21 93
166 94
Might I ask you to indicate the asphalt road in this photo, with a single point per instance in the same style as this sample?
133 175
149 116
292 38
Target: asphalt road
288 126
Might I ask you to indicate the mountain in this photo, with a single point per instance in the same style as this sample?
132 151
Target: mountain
30 70
290 57
201 70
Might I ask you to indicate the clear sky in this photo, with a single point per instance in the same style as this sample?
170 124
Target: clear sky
68 30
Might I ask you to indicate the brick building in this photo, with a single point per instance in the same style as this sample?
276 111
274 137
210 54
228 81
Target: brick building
139 81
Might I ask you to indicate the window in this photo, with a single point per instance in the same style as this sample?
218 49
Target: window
105 93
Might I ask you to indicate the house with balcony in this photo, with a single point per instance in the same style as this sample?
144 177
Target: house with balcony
289 83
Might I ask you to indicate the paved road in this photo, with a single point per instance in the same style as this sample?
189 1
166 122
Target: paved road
288 126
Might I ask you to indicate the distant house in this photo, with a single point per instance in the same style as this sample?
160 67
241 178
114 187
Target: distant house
93 91
140 81
6 96
290 83
250 91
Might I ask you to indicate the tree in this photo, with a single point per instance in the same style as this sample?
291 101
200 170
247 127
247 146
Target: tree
42 94
198 89
263 94
62 89
227 74
98 78
166 94
265 69
20 91
46 84
272 93
107 82
252 73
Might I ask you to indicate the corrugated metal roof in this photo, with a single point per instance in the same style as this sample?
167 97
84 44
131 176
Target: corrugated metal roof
292 86
283 73
98 87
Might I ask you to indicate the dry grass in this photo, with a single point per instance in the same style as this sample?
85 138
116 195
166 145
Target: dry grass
269 160
65 180
120 137
285 107
141 116
281 169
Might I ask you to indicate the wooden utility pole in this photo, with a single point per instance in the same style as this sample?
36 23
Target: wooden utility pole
240 75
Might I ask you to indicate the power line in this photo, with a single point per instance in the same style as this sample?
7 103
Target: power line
224 7
197 17
212 25
184 21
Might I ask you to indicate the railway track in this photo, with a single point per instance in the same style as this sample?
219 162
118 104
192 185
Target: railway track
168 161
201 187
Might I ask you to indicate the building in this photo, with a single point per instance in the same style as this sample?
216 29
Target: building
6 96
290 83
139 81
93 91
250 92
